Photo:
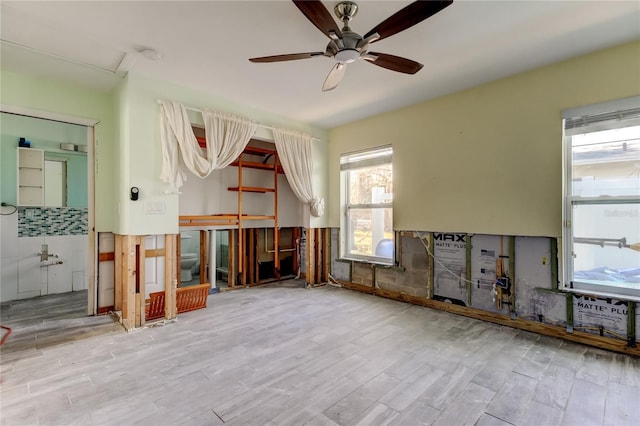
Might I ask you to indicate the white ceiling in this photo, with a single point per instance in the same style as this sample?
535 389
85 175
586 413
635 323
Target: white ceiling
206 45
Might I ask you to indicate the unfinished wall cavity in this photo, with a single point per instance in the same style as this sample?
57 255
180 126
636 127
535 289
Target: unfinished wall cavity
510 280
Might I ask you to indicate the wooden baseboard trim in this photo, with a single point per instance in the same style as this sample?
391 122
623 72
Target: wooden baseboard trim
601 342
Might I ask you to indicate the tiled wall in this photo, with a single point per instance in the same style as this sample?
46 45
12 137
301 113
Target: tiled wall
52 221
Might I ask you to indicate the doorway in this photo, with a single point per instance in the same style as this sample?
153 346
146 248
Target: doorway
52 243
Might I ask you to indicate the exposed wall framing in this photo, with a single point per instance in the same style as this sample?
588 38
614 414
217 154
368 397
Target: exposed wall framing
318 255
129 261
524 289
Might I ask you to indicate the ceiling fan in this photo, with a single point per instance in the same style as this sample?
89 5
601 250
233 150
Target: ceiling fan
346 46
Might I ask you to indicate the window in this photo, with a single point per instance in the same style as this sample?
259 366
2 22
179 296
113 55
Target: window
366 191
602 199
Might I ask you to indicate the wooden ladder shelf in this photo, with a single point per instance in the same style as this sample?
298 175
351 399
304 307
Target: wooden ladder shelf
276 168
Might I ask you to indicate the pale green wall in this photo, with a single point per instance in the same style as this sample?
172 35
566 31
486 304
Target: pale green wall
128 149
45 95
142 159
489 159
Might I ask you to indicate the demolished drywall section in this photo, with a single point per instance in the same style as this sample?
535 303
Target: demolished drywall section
509 276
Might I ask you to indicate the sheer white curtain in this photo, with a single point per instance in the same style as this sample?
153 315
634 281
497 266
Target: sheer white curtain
227 136
294 151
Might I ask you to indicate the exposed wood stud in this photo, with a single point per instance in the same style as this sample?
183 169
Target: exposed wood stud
431 269
326 244
276 229
296 243
170 284
317 256
242 257
240 189
512 275
631 324
141 276
468 268
128 273
178 261
310 252
569 308
231 274
553 263
203 257
117 264
252 256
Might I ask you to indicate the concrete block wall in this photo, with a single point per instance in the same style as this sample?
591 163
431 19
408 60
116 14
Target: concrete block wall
413 276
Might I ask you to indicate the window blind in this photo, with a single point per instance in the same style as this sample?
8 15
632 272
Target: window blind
368 158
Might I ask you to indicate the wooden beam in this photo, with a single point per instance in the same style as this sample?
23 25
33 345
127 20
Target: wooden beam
137 279
178 261
430 268
141 281
240 189
295 237
326 238
106 257
311 257
203 256
170 280
318 255
252 256
276 229
231 273
117 278
128 273
154 253
242 257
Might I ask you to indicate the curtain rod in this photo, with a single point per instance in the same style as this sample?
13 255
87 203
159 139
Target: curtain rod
313 138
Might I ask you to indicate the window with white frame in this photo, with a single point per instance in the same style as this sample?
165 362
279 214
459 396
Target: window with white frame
602 199
367 195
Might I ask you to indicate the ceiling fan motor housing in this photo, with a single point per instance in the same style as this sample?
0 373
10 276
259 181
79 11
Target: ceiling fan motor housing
347 49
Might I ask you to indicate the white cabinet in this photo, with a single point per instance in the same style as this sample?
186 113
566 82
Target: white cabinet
30 177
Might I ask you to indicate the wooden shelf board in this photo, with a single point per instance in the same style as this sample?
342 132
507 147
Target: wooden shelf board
251 189
252 150
257 217
255 165
209 220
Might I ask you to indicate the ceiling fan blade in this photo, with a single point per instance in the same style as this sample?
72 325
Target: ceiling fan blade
319 16
407 17
394 63
335 77
288 57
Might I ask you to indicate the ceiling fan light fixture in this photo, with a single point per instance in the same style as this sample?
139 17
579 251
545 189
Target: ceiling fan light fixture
346 56
151 54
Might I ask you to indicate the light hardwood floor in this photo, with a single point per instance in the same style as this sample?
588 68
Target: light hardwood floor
285 355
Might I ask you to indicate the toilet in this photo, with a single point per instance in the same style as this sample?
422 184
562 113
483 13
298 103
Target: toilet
188 264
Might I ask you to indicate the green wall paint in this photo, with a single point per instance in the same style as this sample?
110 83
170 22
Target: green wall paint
36 93
141 155
488 159
128 149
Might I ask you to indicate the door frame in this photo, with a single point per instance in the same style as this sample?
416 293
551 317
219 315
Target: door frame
89 123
